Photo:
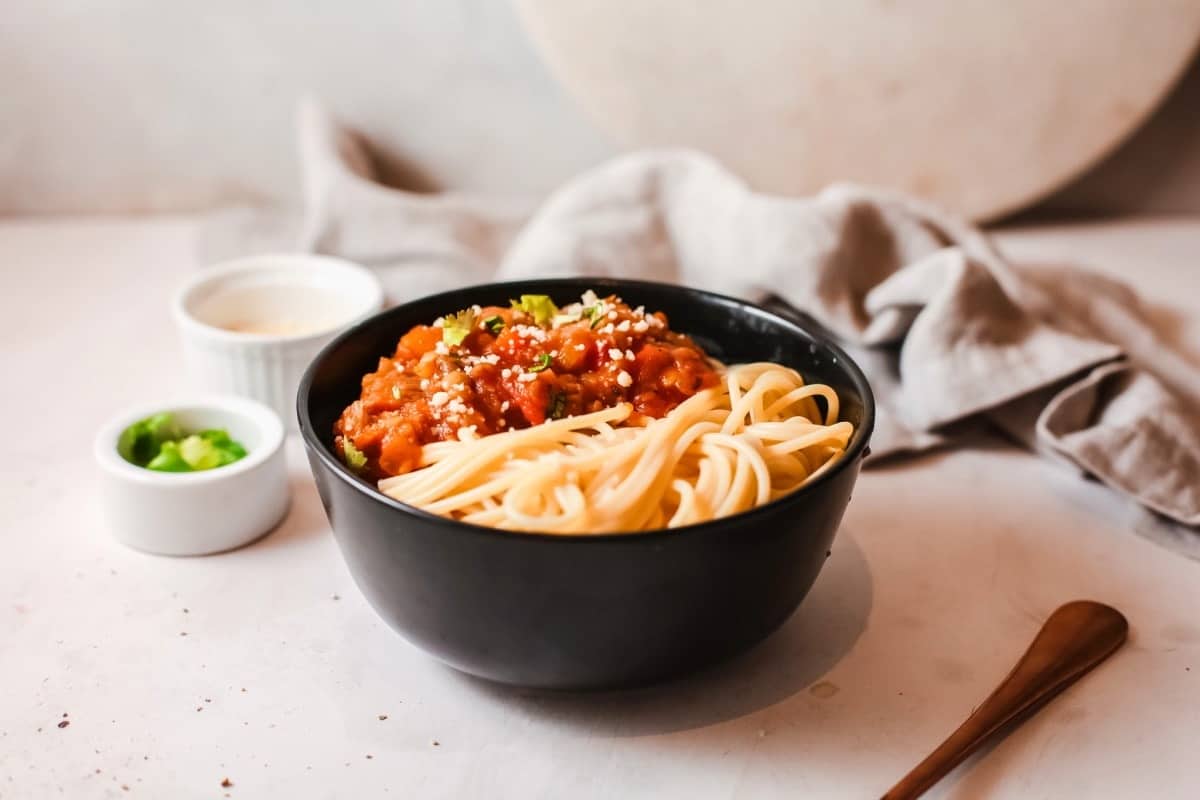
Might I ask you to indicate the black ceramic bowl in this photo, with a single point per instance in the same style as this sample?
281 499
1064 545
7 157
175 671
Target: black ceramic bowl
598 611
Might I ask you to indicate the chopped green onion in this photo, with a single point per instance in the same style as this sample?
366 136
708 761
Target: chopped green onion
494 324
538 306
355 458
565 318
159 443
141 441
199 453
455 327
594 314
169 459
540 362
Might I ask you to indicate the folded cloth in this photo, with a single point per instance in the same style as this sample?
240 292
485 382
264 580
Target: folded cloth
946 328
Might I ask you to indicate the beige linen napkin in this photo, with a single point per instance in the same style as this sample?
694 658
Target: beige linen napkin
946 328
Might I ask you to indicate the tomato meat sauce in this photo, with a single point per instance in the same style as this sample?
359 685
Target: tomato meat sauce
487 370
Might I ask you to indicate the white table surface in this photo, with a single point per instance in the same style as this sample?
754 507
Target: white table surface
266 667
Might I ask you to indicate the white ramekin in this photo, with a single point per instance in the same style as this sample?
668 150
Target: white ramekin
267 367
195 513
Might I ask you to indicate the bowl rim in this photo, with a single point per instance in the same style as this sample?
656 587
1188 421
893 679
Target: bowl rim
265 420
857 448
360 283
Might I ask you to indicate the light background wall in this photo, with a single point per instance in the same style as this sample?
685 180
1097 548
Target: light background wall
146 105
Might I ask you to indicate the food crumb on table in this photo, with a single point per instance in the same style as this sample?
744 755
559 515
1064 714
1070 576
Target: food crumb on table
226 783
62 724
382 717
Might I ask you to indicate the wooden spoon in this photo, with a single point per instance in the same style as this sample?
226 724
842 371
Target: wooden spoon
1075 638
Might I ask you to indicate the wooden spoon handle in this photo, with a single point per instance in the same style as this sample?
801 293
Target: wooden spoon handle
1075 638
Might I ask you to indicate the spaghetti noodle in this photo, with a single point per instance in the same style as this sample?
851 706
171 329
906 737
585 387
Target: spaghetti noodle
757 435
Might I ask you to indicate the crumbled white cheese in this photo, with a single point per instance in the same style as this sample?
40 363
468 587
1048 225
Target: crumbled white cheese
441 349
506 373
624 379
615 354
629 355
589 298
641 326
612 315
424 384
439 322
505 405
439 399
623 326
527 377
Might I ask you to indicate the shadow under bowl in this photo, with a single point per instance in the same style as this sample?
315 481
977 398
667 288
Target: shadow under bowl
585 612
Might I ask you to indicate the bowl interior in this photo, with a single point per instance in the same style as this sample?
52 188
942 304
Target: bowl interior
727 329
284 296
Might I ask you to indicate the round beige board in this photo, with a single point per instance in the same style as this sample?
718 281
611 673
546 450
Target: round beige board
979 105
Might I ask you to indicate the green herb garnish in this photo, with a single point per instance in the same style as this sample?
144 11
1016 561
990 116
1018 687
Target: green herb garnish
494 324
540 362
558 405
141 441
565 318
159 443
455 327
538 306
355 459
